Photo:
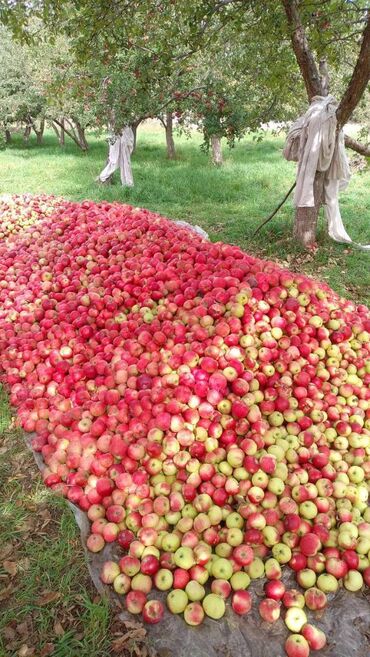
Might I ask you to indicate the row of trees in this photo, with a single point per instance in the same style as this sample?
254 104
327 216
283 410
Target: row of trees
226 66
44 81
41 84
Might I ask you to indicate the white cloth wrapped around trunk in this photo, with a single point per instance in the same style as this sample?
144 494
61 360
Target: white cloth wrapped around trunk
314 143
120 149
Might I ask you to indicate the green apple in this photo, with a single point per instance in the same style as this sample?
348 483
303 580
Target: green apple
239 580
223 550
177 601
353 581
327 583
194 591
214 606
308 510
235 536
122 584
234 519
356 474
276 419
281 552
306 578
163 579
256 568
215 515
184 557
276 485
271 536
188 511
222 569
295 618
170 543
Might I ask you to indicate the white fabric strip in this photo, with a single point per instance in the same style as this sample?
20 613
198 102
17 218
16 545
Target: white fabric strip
120 157
313 142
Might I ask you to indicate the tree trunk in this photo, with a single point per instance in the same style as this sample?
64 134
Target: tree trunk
171 152
61 135
75 132
27 132
305 220
55 128
81 136
216 150
8 136
134 127
59 131
39 133
302 50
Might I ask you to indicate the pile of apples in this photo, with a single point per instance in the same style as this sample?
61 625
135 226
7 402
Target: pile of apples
207 409
20 212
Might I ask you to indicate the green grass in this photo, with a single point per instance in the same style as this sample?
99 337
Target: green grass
229 202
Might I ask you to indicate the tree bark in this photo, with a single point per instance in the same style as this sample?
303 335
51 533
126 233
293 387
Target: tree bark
27 132
59 131
79 140
302 50
324 76
62 134
362 149
171 151
8 136
39 133
81 136
359 80
134 127
305 220
216 150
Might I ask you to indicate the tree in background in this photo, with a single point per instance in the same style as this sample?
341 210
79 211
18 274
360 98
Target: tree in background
22 102
334 27
42 84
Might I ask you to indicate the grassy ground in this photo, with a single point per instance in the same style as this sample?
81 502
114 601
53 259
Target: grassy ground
229 202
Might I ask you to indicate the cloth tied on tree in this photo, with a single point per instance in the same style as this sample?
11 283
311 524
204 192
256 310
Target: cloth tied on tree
119 157
313 142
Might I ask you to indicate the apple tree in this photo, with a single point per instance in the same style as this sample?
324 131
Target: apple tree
22 103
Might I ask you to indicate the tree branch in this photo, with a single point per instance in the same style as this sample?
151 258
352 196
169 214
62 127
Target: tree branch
324 73
163 122
302 50
359 80
317 85
362 149
70 134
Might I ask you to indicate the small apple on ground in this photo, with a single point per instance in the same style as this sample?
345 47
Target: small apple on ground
214 606
297 646
315 637
153 612
269 610
241 602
